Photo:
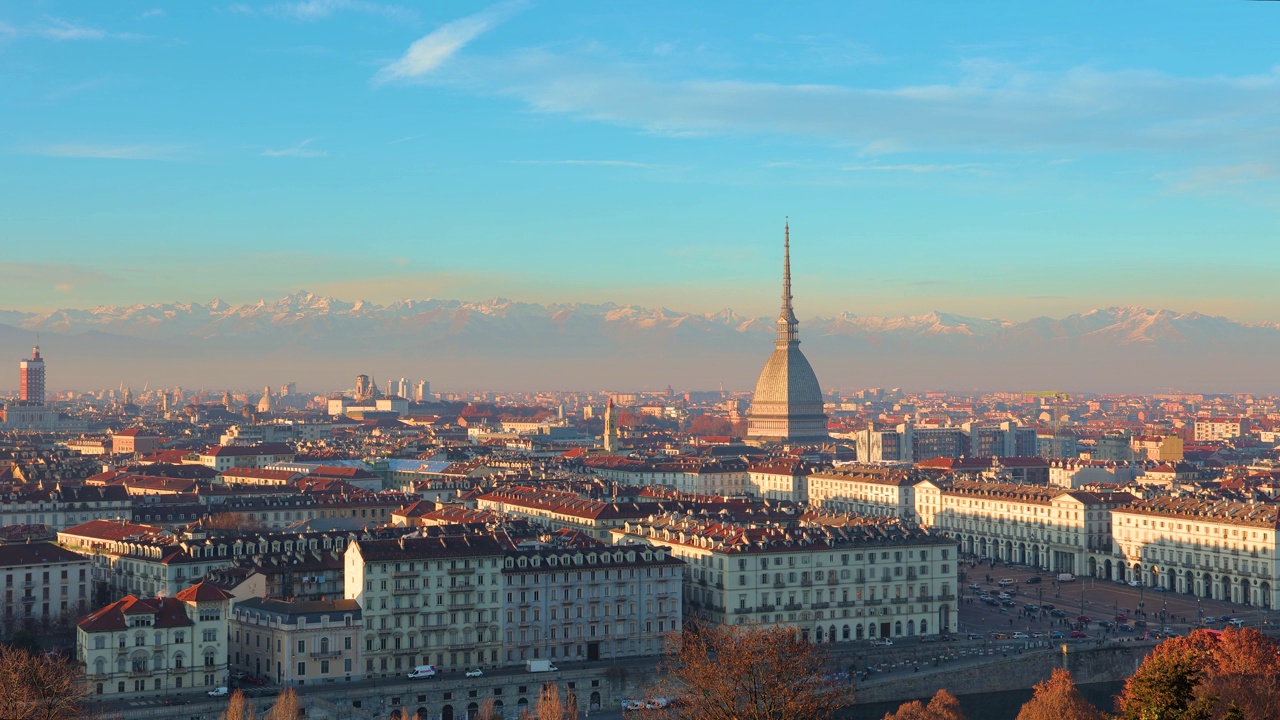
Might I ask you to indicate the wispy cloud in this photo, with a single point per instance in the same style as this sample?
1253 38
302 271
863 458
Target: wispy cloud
915 168
152 13
1210 179
111 152
608 163
52 28
301 150
62 277
313 10
988 108
434 49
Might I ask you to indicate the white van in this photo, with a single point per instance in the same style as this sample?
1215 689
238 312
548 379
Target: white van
423 671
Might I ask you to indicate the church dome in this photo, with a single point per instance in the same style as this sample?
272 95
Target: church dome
787 405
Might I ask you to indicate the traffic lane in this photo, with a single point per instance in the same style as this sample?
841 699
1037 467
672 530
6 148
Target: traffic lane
1103 599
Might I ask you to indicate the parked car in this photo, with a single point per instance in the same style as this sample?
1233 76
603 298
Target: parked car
1021 636
974 636
255 680
991 601
1106 624
1210 620
1134 583
475 673
218 691
881 642
1084 619
1121 617
240 675
1236 623
975 586
1056 634
1078 634
1033 580
1008 603
1057 613
1005 581
1031 607
1140 623
1126 627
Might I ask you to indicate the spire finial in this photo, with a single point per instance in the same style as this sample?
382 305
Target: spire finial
787 323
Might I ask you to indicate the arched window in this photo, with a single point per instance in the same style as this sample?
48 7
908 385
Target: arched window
897 628
324 645
845 632
924 627
158 639
100 666
178 661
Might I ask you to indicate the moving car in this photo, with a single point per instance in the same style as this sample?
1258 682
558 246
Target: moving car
1078 634
475 673
218 691
1126 627
881 642
1008 603
1084 619
1033 580
1057 613
1057 635
1134 583
1021 636
422 671
1005 581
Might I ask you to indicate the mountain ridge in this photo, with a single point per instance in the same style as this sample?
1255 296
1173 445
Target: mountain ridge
510 344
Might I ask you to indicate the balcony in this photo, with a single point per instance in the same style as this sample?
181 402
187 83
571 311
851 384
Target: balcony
461 605
404 610
898 600
404 574
325 653
924 598
792 606
767 608
833 580
743 610
406 591
779 584
461 571
846 603
911 574
139 673
806 582
821 605
874 601
946 597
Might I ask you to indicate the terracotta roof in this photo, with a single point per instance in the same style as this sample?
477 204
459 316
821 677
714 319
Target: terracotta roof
202 592
111 530
169 612
37 554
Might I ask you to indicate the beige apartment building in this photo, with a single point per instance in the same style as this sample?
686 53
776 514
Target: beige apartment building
832 578
296 642
866 490
1224 550
1055 529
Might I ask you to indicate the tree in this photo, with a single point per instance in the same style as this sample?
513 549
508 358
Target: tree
1164 688
549 706
745 672
238 708
703 425
232 521
488 710
39 686
943 706
286 707
1058 699
1208 673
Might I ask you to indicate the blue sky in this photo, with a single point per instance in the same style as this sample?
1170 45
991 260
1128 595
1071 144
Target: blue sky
997 159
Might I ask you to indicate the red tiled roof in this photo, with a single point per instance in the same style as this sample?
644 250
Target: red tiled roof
202 592
169 612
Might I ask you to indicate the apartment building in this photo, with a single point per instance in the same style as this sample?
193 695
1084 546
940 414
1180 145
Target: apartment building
832 578
60 507
780 479
575 598
560 509
310 642
431 598
1051 528
866 490
156 646
1221 428
1225 550
43 582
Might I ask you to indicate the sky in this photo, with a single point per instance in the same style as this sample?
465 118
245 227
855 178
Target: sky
998 159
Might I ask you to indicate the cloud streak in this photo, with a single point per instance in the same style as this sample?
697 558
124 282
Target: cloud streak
314 10
433 50
301 150
605 163
111 152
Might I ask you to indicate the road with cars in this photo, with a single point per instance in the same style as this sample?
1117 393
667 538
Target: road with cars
1037 604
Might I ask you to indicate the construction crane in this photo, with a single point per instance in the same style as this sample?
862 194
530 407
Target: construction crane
1057 405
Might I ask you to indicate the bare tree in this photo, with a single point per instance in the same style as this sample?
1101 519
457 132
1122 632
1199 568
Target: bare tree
41 686
549 706
286 706
237 708
488 711
746 673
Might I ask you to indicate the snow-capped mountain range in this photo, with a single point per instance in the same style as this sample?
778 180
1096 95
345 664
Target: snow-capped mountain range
503 343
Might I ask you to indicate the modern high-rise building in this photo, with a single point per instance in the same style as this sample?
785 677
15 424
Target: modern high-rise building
31 378
787 406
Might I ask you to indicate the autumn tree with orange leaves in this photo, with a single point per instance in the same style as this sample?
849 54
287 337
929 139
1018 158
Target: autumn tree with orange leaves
943 706
1058 698
1206 675
743 672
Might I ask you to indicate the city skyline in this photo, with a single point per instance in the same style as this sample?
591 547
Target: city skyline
1000 162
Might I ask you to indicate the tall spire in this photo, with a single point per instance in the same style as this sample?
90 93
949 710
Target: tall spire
788 326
